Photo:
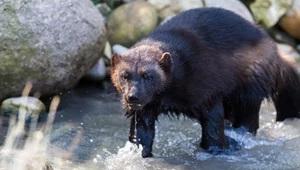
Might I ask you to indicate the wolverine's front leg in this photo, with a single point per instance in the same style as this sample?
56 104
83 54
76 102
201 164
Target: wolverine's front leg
132 131
142 131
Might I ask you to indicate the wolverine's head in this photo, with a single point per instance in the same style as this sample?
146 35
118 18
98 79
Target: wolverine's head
139 74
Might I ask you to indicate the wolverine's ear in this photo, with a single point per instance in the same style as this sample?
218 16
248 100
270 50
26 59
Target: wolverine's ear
166 61
115 59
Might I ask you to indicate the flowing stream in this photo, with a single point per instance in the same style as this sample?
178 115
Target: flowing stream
95 119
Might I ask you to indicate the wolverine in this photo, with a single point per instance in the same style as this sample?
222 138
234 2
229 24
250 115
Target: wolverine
208 64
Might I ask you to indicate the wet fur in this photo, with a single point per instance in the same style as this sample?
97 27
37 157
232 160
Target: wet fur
221 67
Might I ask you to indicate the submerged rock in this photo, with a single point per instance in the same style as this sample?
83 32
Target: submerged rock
290 22
130 22
268 12
31 105
50 43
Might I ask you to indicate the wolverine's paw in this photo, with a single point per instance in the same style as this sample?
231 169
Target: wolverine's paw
146 153
231 146
132 139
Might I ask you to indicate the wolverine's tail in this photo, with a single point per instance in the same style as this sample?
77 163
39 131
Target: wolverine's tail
286 94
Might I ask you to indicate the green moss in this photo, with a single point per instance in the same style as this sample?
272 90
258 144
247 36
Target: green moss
17 35
14 47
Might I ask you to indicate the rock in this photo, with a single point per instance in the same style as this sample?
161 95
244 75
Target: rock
119 49
160 4
166 19
247 2
32 105
281 36
166 14
168 8
50 43
268 12
98 72
288 53
107 50
130 22
290 22
127 1
232 5
104 9
179 5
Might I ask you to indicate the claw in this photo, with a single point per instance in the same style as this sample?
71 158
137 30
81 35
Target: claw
132 139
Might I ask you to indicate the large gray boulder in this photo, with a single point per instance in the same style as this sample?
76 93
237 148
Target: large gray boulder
50 43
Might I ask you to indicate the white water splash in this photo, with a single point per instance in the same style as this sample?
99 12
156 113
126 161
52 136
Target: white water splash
127 158
287 129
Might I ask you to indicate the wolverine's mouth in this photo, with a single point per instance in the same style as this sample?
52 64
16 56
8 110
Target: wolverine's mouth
135 106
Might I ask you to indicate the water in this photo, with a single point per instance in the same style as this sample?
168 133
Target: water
96 121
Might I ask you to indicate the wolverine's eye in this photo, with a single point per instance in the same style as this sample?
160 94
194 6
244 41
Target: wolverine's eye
147 77
124 76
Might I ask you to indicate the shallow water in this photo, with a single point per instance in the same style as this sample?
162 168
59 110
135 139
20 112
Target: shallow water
103 143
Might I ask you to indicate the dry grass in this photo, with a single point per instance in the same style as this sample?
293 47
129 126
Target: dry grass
28 150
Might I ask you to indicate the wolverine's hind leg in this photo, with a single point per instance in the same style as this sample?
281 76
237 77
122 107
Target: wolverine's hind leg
245 106
228 113
286 102
213 136
246 113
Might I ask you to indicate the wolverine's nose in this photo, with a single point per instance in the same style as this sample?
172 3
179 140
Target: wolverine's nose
133 98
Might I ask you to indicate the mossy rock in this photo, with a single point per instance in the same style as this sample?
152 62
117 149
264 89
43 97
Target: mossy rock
268 12
131 22
50 43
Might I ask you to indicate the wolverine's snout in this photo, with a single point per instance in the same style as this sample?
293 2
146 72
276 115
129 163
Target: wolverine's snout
133 95
133 98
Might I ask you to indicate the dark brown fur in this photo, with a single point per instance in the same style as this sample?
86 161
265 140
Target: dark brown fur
208 64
